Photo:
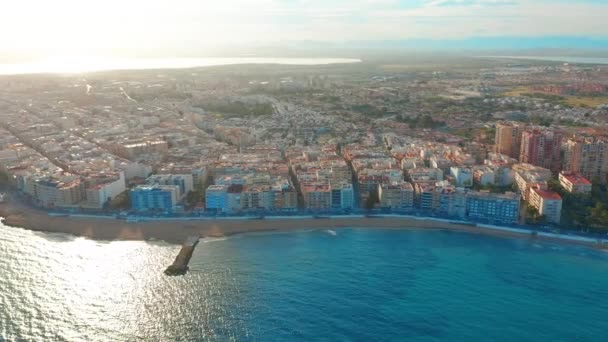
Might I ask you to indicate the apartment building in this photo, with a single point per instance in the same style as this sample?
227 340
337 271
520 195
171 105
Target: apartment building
574 183
548 203
499 208
154 198
396 195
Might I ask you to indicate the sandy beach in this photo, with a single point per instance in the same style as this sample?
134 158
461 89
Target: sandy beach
177 231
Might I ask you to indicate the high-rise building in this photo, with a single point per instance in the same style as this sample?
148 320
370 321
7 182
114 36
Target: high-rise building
573 149
508 139
541 148
588 157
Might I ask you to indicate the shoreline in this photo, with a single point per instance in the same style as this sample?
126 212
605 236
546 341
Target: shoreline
176 231
101 65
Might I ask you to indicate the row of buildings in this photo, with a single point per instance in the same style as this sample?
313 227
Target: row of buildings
584 155
323 178
446 199
254 180
65 190
532 145
544 154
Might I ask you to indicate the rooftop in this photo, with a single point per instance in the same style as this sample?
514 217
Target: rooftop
576 179
548 194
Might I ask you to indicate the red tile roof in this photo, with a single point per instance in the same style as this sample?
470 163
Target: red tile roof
548 194
576 179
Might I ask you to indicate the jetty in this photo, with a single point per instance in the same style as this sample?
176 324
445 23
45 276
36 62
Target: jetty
180 265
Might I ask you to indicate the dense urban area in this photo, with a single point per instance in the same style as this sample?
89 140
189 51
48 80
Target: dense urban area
497 141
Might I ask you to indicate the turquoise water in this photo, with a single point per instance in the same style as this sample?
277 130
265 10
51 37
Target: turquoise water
363 285
565 59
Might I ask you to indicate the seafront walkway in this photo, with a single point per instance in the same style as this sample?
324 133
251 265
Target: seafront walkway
543 231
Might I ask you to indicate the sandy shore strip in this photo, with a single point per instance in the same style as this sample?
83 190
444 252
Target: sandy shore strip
178 230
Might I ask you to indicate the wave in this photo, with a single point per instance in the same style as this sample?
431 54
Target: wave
212 239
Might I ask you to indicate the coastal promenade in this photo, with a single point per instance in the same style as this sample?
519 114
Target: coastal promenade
178 229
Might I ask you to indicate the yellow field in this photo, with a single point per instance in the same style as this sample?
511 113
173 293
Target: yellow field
576 101
586 101
517 91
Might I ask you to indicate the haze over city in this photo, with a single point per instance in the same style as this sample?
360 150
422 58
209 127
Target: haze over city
65 28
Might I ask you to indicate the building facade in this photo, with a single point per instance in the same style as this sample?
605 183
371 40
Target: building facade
184 182
541 148
54 192
342 195
508 139
500 208
463 176
154 198
548 203
451 201
397 195
587 157
574 183
100 193
528 176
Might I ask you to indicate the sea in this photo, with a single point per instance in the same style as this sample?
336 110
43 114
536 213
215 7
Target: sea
316 285
70 65
564 59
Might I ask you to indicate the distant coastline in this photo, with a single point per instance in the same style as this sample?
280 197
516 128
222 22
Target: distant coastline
75 65
177 230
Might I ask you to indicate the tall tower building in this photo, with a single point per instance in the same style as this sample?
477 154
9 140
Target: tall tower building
508 139
588 157
573 149
541 148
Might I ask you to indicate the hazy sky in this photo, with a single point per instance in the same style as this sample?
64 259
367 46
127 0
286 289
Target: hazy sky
64 26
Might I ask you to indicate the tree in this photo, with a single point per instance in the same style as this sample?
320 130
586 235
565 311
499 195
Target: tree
372 199
531 214
424 121
599 215
5 179
121 201
193 197
555 185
